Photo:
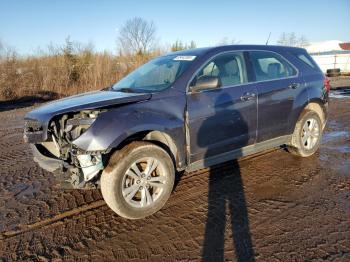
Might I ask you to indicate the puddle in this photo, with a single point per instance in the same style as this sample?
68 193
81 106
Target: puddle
343 93
334 125
23 190
342 149
344 169
334 135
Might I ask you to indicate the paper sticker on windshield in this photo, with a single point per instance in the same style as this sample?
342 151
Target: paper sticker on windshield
185 58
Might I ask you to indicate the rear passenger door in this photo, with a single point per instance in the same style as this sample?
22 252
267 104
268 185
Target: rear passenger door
277 84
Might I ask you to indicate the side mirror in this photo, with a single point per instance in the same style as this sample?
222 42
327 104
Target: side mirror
206 83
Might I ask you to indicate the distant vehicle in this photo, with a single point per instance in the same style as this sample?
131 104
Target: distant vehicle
182 111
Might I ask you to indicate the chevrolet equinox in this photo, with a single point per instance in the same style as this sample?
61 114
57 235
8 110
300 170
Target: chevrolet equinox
180 112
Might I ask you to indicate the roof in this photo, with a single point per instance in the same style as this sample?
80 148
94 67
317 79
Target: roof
203 50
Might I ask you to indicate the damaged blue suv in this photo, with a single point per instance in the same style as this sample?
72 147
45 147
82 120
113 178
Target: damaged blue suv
182 111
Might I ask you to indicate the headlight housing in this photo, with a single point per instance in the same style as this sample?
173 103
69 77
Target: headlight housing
79 123
68 127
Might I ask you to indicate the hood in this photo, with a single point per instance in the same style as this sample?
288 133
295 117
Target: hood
90 100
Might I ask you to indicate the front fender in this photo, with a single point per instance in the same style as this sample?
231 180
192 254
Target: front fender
111 128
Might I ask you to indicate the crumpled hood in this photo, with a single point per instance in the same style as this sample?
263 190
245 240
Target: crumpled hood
90 100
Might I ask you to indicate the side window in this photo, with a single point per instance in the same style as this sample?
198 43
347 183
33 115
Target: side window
268 66
229 68
305 58
210 70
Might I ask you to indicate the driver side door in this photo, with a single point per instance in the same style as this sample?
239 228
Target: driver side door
222 119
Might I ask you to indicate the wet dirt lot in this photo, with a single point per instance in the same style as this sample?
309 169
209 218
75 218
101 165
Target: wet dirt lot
270 207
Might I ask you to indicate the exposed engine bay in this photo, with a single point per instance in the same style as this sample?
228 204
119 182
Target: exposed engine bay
81 168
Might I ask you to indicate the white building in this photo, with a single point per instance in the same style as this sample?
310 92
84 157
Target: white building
331 54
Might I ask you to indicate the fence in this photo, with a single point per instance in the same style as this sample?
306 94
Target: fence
331 61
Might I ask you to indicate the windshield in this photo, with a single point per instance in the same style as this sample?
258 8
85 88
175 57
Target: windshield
156 75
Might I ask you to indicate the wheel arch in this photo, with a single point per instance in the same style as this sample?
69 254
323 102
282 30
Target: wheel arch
318 107
158 137
315 105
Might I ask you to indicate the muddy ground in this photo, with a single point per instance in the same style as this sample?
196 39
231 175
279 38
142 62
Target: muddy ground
270 207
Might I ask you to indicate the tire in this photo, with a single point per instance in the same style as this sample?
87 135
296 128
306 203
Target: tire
333 72
301 146
125 191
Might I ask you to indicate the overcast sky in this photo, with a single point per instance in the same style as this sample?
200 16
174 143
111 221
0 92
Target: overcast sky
26 25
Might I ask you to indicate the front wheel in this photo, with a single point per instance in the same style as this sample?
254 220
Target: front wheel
307 134
138 180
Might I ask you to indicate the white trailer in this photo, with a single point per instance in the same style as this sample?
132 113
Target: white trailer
330 55
332 61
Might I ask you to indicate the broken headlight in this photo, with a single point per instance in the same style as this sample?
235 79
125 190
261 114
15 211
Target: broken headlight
31 126
78 124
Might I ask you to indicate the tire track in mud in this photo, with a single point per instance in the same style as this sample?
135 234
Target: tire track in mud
187 179
46 222
306 217
101 225
18 152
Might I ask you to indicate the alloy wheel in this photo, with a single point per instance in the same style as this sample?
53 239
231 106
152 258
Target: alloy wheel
144 182
310 133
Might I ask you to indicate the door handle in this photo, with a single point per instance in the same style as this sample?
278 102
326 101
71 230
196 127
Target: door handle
294 85
247 96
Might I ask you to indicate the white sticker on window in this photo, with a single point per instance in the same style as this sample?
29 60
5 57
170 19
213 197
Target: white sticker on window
185 58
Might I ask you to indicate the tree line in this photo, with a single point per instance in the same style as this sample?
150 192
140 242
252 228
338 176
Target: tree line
75 67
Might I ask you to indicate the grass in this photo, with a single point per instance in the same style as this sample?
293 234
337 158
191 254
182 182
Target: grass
62 71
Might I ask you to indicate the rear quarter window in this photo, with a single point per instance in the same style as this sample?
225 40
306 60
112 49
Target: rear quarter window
307 60
270 65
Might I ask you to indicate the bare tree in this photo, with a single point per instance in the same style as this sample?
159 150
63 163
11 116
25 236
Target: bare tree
282 40
226 41
303 42
179 45
291 39
137 36
192 45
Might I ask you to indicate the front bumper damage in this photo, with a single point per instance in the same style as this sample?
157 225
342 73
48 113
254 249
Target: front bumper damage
48 163
67 175
90 165
73 167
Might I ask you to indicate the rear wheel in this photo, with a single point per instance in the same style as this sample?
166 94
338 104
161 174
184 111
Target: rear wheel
138 180
307 134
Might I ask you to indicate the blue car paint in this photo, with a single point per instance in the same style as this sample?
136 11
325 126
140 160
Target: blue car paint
164 113
90 100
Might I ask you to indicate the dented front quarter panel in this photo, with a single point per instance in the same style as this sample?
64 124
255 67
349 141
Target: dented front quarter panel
164 112
76 103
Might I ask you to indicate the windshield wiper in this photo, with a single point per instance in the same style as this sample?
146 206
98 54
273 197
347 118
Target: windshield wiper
107 88
125 90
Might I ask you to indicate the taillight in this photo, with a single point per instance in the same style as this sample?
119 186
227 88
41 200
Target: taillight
327 84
